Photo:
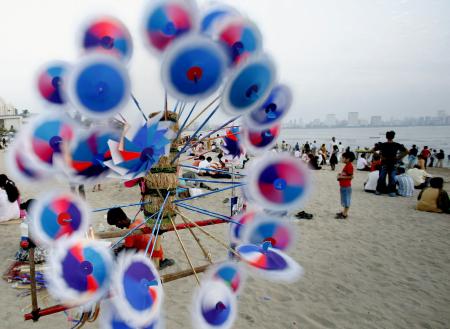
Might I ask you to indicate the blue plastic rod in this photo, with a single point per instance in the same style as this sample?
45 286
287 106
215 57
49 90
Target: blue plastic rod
195 134
138 106
134 229
217 129
159 226
208 193
213 170
208 181
185 121
122 206
208 212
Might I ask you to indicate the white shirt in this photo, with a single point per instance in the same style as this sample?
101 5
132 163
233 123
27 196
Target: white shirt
297 154
418 175
361 163
372 180
203 164
8 210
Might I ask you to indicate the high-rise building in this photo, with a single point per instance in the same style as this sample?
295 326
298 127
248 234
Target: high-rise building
331 120
353 119
375 120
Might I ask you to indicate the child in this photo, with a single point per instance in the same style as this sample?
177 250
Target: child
345 183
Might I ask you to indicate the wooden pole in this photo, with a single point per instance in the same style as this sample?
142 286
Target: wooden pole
182 274
205 252
184 250
211 236
34 302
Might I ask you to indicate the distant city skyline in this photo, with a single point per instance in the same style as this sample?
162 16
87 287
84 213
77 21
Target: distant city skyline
353 119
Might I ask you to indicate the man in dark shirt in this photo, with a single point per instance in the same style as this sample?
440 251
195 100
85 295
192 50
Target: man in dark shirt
412 156
391 153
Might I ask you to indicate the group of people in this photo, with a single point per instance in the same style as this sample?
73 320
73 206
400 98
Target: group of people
389 176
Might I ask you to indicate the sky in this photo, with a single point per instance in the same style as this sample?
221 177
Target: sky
376 57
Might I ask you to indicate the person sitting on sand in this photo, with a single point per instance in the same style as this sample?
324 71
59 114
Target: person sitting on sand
313 162
204 164
434 198
139 242
9 199
421 162
370 185
376 162
420 177
362 163
405 183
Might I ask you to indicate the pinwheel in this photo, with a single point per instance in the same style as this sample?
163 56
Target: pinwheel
20 164
58 214
230 273
213 16
167 21
214 306
138 290
110 319
278 183
270 263
99 86
273 110
108 35
258 141
50 82
79 271
248 86
45 136
144 150
232 146
237 229
269 228
241 38
89 154
193 68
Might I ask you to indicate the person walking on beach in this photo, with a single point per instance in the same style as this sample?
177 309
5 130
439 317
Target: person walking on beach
412 156
345 184
391 152
334 157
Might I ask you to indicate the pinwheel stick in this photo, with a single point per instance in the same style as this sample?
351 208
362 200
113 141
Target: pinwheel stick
209 193
208 212
208 181
211 169
226 246
121 206
132 230
138 106
202 111
216 130
158 223
184 122
195 134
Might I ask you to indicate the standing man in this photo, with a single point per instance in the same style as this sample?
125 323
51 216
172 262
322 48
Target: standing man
391 152
412 157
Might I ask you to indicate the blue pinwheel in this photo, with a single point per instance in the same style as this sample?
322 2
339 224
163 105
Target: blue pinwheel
89 155
146 147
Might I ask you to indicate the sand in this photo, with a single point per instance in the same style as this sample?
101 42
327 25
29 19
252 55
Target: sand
387 266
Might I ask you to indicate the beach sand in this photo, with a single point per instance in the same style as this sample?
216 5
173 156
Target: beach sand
387 266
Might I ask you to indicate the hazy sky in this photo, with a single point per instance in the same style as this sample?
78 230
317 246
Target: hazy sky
385 57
